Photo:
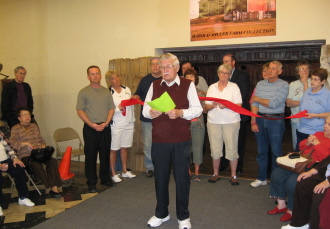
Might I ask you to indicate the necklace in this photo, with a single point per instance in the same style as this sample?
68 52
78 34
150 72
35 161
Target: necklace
26 129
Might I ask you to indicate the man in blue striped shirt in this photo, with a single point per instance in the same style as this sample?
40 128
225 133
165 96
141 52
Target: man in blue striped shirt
269 102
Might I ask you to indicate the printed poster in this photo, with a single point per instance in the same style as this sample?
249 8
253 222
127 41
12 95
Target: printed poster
223 19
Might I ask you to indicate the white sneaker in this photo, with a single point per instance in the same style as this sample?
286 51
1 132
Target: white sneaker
116 179
184 224
291 227
156 222
129 174
27 202
258 183
1 212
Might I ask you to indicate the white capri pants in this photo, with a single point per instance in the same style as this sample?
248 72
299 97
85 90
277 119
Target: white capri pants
223 133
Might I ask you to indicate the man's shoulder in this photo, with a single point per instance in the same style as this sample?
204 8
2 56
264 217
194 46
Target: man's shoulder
147 77
240 72
283 82
10 84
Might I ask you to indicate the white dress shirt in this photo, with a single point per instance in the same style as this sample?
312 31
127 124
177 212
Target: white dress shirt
194 110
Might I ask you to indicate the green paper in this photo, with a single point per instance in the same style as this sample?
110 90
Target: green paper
164 103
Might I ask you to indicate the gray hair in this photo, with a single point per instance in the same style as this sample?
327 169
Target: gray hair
153 58
226 67
277 63
169 56
19 68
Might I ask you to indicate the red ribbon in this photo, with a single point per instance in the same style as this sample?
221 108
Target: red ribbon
130 102
228 104
243 111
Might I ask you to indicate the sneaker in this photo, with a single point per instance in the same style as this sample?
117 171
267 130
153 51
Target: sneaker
1 213
129 174
258 183
156 222
184 224
291 227
116 179
27 202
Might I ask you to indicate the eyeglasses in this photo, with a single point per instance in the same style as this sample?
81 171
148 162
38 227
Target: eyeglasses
225 73
166 67
303 69
26 114
154 64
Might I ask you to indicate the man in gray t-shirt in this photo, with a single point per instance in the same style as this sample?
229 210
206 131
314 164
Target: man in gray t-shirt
96 108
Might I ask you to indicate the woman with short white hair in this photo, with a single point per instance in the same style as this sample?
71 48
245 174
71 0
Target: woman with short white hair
222 123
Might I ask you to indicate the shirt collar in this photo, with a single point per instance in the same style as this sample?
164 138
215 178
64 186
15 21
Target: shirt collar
176 80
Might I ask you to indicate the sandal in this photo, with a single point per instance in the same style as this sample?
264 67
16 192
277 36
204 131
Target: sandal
197 178
214 178
233 180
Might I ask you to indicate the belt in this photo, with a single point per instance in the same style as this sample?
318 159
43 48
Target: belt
270 115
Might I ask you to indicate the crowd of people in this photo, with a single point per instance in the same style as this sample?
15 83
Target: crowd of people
174 139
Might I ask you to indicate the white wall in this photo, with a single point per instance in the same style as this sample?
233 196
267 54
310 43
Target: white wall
56 40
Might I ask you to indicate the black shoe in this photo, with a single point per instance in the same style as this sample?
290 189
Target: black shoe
109 183
92 189
55 194
239 171
150 173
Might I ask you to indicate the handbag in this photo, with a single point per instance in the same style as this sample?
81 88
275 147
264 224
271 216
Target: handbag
42 155
296 165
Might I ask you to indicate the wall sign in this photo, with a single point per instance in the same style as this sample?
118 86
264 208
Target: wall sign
223 19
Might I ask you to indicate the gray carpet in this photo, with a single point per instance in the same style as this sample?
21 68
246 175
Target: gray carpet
130 205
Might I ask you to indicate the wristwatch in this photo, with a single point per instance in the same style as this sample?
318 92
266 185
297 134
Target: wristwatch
13 156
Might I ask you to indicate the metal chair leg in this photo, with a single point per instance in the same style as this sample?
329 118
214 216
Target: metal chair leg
30 179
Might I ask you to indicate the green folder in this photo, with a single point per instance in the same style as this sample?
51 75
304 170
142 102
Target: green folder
164 103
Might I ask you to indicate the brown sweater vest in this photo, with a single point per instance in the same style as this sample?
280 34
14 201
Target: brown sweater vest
164 129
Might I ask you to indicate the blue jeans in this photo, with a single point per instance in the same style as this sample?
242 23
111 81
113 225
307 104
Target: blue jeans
282 185
147 141
270 134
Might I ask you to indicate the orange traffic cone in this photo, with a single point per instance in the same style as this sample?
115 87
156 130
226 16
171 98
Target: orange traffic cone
64 167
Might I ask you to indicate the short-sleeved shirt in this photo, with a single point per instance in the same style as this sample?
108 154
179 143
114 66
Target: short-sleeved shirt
296 91
119 120
317 103
96 103
224 116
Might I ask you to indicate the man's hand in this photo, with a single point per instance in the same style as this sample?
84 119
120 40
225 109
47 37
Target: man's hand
175 113
155 113
98 127
4 167
136 97
255 127
17 161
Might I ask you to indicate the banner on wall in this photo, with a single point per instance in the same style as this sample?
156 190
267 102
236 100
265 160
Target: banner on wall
223 19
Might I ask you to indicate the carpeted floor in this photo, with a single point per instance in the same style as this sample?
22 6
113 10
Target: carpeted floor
131 203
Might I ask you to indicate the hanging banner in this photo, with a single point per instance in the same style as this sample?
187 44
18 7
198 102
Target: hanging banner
223 19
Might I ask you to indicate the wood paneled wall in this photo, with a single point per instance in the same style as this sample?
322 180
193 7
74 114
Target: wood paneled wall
131 72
